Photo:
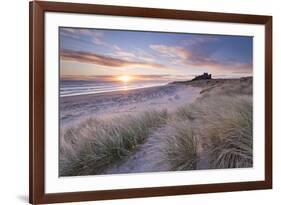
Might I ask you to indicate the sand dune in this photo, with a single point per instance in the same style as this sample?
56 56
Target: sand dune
205 124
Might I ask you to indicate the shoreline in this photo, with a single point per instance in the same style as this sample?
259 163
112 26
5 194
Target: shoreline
110 104
112 91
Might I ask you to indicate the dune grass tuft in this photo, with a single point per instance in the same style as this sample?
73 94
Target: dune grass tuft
180 146
231 144
94 145
216 129
224 124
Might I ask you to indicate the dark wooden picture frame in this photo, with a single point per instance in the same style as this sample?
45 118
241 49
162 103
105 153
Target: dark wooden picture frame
37 193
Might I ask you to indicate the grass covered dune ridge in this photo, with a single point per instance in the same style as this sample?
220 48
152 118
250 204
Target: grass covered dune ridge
95 145
213 132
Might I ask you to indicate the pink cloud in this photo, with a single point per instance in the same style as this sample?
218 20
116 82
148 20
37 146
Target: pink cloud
93 58
181 56
171 51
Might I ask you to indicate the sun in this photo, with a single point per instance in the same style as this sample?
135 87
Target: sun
125 78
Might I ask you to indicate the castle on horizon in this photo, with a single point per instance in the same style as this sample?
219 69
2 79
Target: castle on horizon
205 76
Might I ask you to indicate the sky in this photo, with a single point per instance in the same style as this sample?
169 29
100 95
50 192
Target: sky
104 54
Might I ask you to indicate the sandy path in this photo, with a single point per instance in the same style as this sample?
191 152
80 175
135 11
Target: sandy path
147 156
145 159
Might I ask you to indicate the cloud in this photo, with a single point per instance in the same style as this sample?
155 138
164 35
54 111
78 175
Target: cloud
95 37
197 57
144 55
70 30
196 40
74 33
85 57
97 59
69 33
191 52
98 39
116 47
237 67
136 55
171 51
180 55
125 54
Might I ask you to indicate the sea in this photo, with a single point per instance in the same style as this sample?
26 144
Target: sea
84 87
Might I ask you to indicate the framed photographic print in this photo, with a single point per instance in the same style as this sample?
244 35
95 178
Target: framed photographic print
139 102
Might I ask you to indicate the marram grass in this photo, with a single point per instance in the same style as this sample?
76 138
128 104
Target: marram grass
93 145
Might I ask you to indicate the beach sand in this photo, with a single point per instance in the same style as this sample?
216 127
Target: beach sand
107 105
